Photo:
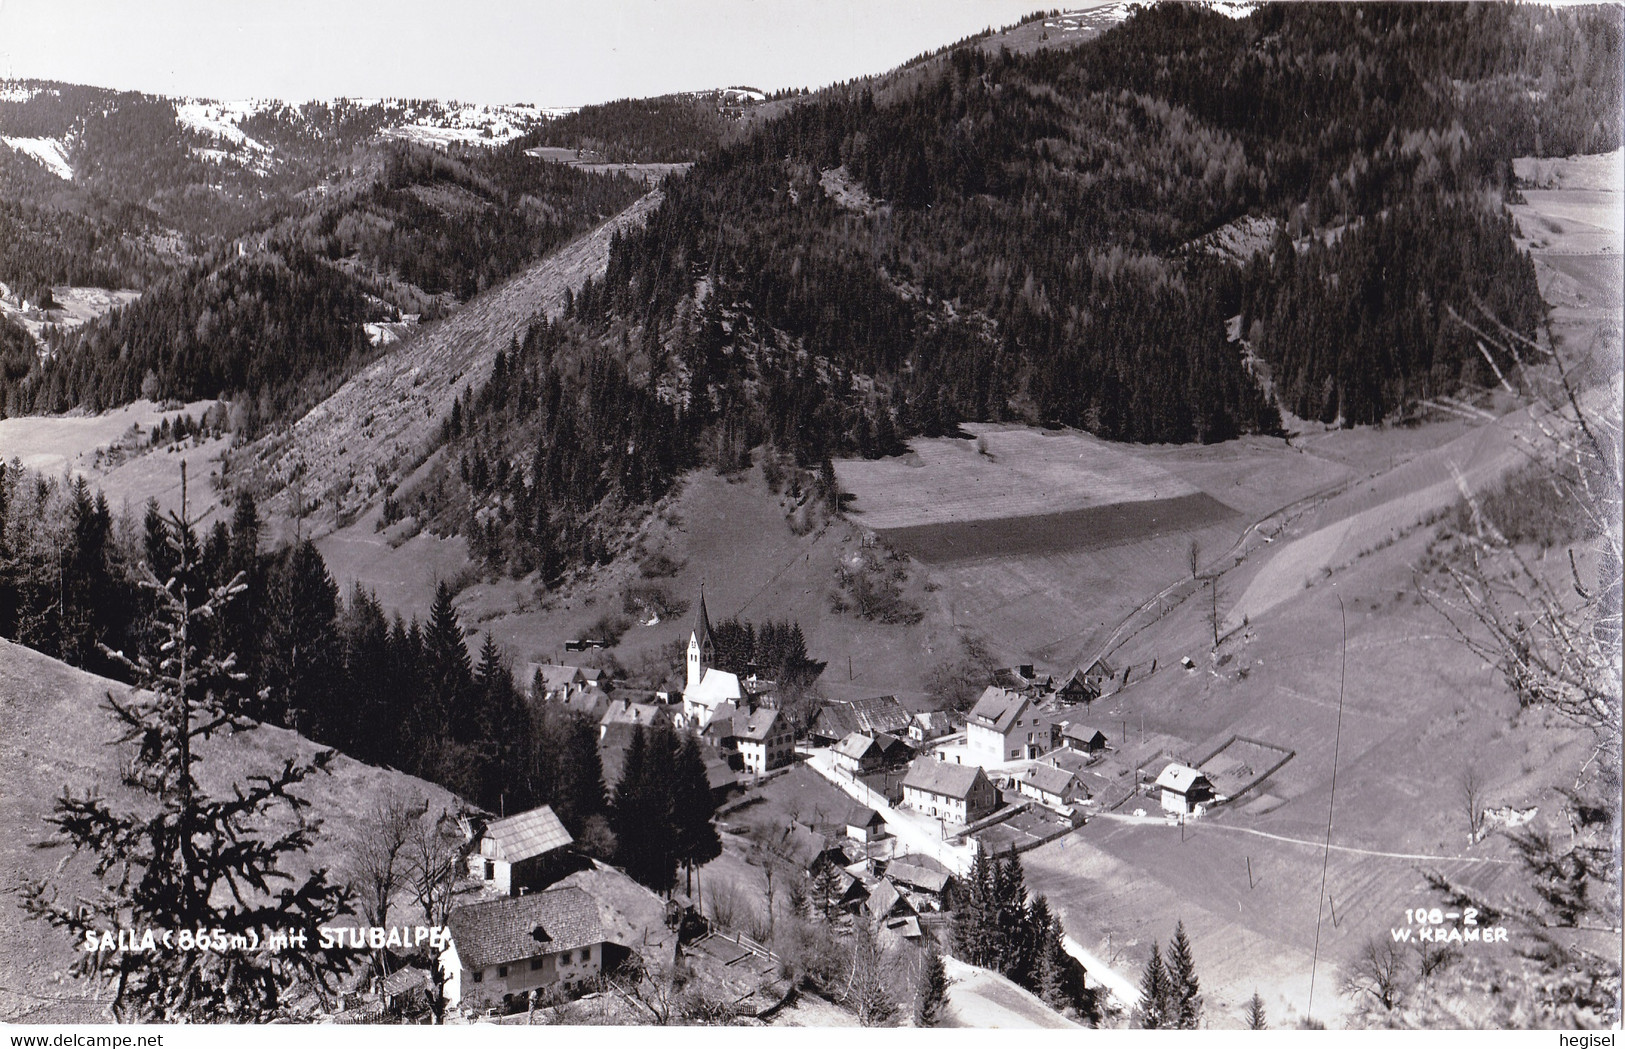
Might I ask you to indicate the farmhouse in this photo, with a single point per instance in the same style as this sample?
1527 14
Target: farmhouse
958 793
1184 789
1052 786
507 947
520 852
1099 676
1082 738
626 712
1023 678
864 824
926 884
1077 689
1005 726
858 753
839 717
930 725
553 682
764 739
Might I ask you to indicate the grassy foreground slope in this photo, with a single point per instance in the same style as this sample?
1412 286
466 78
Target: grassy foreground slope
54 734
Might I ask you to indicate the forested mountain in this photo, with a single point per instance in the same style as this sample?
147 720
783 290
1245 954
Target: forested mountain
265 305
998 236
665 129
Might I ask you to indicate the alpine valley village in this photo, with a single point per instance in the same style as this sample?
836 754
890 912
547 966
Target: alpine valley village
1113 522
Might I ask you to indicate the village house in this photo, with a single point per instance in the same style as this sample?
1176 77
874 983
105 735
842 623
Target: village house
864 824
1098 677
956 793
521 852
1185 791
858 753
924 884
554 683
505 948
1076 689
1007 726
625 712
764 739
1051 786
1083 738
896 750
838 718
1023 678
934 724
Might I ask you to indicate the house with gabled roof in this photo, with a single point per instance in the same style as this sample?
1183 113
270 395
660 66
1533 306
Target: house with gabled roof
957 793
864 824
505 948
921 880
1099 676
932 724
765 740
858 752
1007 726
838 718
1051 786
521 851
1185 790
1086 739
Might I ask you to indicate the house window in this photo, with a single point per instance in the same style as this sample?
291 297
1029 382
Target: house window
479 975
536 964
502 972
586 954
490 870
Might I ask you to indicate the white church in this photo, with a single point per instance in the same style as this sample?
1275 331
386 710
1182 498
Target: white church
707 688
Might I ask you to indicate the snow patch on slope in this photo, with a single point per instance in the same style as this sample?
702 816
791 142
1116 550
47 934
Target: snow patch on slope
218 120
48 151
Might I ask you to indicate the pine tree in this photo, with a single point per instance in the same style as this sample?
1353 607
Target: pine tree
932 994
865 991
1156 994
692 809
187 860
447 673
1184 986
1255 1013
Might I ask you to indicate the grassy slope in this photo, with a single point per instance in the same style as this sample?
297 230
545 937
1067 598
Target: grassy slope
54 734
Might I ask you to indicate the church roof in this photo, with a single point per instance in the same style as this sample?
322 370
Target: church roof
702 622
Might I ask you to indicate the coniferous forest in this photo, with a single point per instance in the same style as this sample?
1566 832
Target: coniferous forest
988 236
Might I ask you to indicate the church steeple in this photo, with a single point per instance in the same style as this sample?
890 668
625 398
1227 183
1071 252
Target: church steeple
700 648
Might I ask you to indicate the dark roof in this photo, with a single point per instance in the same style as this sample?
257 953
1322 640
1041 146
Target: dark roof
940 777
519 927
1100 666
1087 733
862 816
804 846
702 622
998 709
883 898
916 877
527 834
856 745
1049 779
838 717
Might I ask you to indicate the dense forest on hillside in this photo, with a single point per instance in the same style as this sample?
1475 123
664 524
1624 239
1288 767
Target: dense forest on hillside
1010 237
279 327
666 129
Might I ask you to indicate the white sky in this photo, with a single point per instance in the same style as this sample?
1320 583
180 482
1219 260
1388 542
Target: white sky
552 53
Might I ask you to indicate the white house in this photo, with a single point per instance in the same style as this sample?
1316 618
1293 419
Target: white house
1006 726
508 947
764 739
858 752
518 852
956 793
1184 789
1052 786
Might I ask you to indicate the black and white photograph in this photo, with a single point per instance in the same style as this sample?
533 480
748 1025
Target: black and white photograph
775 513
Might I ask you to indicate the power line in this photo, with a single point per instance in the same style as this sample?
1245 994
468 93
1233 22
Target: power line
1326 854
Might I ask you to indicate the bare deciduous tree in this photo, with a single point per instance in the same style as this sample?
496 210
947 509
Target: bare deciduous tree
1471 784
1379 972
